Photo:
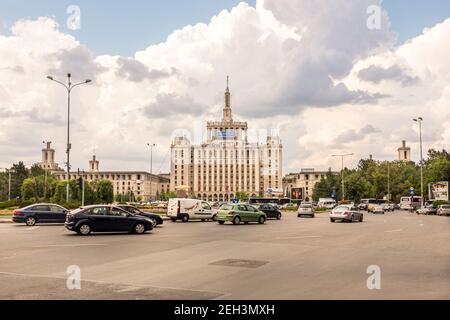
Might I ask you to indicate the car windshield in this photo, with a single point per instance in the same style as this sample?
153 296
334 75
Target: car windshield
226 207
340 208
305 206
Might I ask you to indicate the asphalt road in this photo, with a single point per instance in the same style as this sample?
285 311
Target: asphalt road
288 259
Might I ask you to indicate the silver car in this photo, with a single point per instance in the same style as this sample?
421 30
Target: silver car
378 208
306 210
348 213
443 210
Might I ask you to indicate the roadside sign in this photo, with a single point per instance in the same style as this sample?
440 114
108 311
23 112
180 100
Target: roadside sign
411 191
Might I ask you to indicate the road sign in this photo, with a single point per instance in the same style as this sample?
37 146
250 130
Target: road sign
411 191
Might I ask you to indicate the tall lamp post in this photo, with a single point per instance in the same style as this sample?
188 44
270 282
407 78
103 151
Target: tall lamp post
69 87
151 146
45 177
342 156
419 121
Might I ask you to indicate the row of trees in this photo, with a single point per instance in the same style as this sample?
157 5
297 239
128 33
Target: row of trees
372 179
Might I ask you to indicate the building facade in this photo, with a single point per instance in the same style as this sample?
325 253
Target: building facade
139 183
404 152
226 163
300 186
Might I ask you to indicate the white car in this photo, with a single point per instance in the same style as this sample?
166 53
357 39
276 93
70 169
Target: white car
190 209
378 208
348 213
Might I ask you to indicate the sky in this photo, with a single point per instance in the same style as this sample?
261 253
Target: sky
310 70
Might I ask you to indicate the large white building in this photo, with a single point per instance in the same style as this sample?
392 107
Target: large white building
226 163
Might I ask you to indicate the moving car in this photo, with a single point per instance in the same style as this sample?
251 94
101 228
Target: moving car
190 209
410 203
377 208
106 218
270 210
154 218
326 203
427 210
443 210
306 210
40 213
388 207
347 213
237 213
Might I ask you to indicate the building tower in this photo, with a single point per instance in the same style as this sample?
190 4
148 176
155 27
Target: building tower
48 158
227 109
93 164
404 152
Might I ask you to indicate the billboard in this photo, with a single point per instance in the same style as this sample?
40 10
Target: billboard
438 191
297 194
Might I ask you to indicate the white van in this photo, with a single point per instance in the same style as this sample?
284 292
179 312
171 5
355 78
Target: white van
326 203
190 209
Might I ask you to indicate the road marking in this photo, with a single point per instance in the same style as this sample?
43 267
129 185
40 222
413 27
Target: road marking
70 245
32 228
397 230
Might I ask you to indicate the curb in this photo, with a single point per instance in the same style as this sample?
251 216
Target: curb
6 221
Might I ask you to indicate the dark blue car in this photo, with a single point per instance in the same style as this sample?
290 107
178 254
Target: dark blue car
40 213
106 218
154 218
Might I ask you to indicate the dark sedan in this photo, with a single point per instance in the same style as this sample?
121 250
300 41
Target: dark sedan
271 211
40 213
154 218
106 218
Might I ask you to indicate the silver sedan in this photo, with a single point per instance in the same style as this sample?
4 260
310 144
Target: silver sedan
348 213
306 210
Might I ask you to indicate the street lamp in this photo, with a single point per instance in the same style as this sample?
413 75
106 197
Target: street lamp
419 121
69 87
45 179
342 156
151 146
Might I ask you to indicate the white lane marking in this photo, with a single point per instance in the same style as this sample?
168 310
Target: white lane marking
397 230
32 228
421 224
70 245
298 237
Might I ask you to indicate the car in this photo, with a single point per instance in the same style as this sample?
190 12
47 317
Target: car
388 207
40 213
306 210
270 211
326 203
237 213
443 210
346 213
154 218
427 210
190 209
106 218
377 208
362 206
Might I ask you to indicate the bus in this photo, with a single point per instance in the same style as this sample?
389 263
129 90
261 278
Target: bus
410 203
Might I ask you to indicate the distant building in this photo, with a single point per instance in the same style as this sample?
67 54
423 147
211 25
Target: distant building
48 159
404 152
300 186
226 162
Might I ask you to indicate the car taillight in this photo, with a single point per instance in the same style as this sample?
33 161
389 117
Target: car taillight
17 213
345 213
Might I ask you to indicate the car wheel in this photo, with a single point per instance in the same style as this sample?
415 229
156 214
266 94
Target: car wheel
173 219
214 218
236 220
279 216
30 221
153 222
361 218
313 216
221 222
262 220
203 220
84 229
332 220
139 228
185 218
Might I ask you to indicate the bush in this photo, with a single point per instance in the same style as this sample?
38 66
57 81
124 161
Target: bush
438 203
8 204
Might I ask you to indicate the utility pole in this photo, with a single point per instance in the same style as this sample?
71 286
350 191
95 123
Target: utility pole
69 87
389 182
342 156
419 121
151 146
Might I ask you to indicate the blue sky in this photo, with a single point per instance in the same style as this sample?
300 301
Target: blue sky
124 27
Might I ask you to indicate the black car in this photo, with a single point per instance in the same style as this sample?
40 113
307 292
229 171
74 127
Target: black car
271 211
154 218
40 213
106 218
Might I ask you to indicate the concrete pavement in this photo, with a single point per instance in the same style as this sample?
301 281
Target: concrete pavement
288 259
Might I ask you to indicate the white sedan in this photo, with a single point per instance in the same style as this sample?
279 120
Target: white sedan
348 213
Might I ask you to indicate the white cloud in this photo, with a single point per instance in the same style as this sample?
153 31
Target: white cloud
294 65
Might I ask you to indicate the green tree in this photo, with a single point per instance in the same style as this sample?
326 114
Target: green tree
242 196
105 191
36 171
28 189
19 174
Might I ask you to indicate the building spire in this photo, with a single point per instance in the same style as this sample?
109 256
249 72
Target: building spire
227 110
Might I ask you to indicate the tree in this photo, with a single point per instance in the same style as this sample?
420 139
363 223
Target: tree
105 191
242 196
59 195
28 189
18 175
36 171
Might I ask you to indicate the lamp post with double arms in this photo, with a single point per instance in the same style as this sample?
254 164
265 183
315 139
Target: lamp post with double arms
69 87
419 121
342 156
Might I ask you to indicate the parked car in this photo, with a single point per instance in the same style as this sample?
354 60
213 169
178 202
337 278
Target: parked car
190 209
443 210
154 218
427 210
377 208
326 203
388 207
306 210
237 213
347 213
270 211
106 218
40 213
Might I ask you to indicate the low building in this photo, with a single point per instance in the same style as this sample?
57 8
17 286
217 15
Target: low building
300 186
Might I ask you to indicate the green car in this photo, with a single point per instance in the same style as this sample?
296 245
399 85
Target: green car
237 213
